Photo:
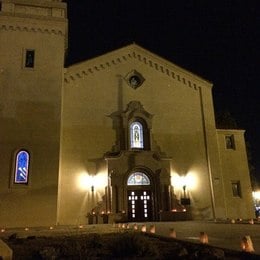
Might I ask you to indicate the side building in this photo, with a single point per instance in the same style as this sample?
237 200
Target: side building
234 164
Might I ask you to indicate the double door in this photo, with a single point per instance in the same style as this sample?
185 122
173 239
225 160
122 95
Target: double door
139 205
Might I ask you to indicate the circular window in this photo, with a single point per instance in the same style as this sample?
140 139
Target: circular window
135 81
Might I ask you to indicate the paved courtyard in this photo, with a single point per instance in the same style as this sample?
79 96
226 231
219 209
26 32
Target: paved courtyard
219 234
225 235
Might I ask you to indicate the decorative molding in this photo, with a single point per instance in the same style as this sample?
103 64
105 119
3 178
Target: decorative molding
30 29
164 69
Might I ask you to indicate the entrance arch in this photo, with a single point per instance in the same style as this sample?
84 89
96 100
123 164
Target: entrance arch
139 197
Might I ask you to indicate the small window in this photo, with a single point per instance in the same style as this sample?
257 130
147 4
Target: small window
138 178
236 189
136 135
29 59
230 142
22 167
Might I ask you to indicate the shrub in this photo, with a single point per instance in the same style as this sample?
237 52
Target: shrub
132 244
94 241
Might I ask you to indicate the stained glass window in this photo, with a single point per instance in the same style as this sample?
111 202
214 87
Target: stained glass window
138 178
22 167
136 135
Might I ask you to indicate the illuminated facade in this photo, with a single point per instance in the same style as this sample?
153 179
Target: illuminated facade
127 134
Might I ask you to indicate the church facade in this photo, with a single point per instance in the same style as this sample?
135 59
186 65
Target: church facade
126 136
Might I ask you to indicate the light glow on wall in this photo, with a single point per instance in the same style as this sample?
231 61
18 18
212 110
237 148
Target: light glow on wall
256 200
190 181
100 180
256 195
87 182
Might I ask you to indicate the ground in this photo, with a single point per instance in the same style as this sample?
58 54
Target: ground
115 246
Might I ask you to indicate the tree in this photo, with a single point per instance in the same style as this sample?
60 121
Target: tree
224 120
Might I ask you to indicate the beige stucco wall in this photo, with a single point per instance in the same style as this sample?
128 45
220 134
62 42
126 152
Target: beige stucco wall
95 89
235 168
30 111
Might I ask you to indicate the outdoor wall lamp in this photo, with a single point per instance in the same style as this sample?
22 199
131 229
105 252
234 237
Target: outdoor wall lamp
184 191
185 200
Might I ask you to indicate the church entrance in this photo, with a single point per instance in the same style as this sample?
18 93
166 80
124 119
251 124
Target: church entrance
139 198
139 205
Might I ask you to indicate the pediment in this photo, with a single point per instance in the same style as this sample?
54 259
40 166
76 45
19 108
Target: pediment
137 54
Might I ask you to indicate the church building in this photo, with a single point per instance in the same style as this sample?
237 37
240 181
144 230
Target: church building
125 136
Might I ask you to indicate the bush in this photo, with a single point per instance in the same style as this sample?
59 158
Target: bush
132 244
94 241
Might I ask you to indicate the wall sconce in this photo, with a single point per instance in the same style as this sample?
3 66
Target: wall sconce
184 191
92 183
184 199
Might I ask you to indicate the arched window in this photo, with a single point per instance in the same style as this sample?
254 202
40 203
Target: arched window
136 135
22 167
138 178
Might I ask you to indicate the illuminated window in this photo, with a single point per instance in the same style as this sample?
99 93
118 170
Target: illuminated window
236 189
230 142
29 59
136 135
22 167
138 178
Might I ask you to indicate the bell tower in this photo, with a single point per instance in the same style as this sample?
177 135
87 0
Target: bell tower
33 36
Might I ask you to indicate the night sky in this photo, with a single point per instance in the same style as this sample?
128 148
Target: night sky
217 40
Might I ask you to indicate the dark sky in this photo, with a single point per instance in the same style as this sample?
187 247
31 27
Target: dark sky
218 40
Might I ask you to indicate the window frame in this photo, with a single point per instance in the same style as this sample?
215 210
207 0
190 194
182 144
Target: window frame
230 142
27 51
143 175
236 189
132 134
15 181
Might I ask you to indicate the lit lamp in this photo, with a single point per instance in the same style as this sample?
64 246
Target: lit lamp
184 191
184 199
203 238
92 187
247 244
